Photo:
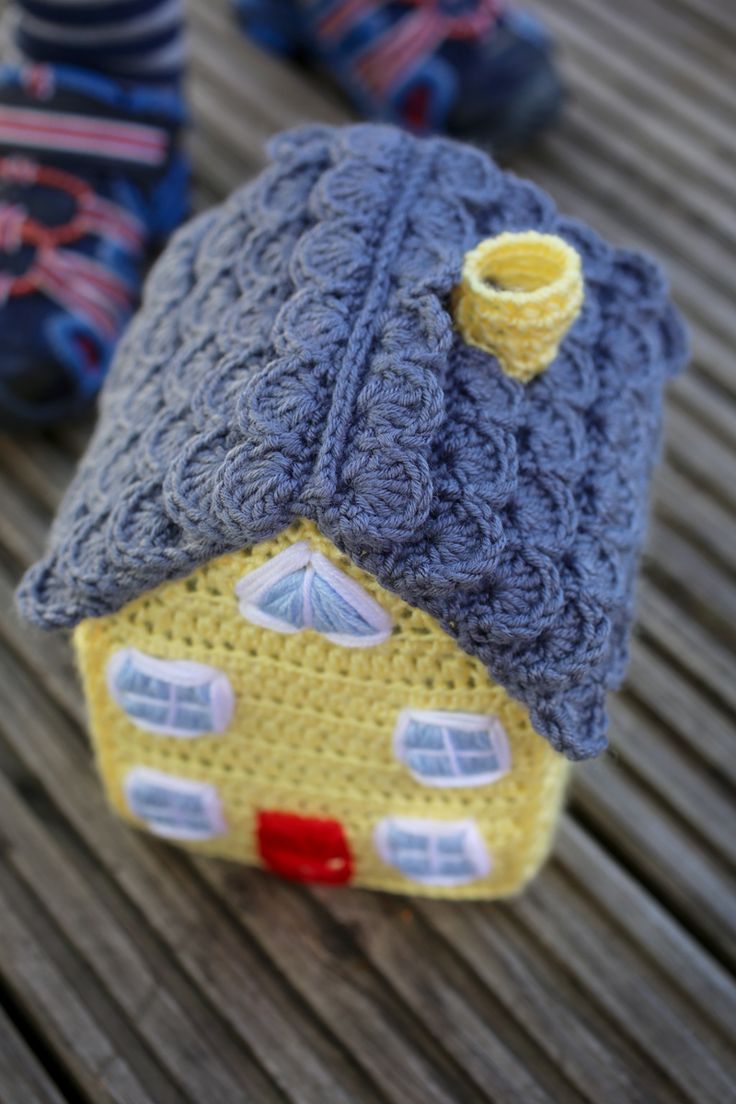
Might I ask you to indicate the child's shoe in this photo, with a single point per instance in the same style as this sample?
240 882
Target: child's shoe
90 173
468 67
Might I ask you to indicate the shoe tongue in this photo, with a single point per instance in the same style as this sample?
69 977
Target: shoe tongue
79 120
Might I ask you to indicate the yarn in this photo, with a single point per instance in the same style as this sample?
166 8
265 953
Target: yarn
295 358
316 736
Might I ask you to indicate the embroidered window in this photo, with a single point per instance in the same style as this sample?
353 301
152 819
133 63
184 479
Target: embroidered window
434 852
173 697
174 807
452 749
301 589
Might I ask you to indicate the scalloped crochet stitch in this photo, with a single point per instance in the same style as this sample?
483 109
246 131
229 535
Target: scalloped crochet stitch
295 357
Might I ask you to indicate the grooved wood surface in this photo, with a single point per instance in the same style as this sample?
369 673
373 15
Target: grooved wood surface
132 973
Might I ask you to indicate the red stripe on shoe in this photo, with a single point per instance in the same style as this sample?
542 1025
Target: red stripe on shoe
57 131
84 287
398 53
100 216
408 43
343 16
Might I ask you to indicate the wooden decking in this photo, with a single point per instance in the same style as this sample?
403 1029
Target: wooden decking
131 973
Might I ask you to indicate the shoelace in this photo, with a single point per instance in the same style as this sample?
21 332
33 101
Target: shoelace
412 39
75 281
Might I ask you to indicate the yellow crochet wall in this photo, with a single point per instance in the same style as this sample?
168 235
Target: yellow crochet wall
313 723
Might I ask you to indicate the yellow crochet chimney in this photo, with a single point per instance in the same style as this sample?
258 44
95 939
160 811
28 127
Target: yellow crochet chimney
518 296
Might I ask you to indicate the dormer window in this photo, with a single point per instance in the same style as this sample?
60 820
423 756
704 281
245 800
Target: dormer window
172 697
434 852
452 749
301 589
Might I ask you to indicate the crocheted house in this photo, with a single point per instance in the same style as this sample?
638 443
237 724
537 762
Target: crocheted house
351 553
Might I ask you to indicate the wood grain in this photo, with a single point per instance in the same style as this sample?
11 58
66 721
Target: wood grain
132 973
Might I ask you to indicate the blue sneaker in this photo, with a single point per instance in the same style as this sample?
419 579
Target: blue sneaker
467 67
91 174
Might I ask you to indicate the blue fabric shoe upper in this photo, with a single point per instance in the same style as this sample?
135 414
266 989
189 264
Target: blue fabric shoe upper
468 67
296 357
89 173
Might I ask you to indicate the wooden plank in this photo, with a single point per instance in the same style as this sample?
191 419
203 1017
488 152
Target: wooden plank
37 467
702 588
617 70
243 141
701 980
22 1077
703 455
72 437
690 508
712 359
713 406
446 994
275 93
689 197
619 28
692 719
706 660
665 19
524 998
561 1013
79 1024
645 215
23 525
194 1046
650 1012
536 990
224 172
641 832
656 133
322 959
700 802
304 1062
715 15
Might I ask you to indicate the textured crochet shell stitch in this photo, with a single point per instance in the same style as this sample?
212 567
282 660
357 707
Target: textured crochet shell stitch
295 357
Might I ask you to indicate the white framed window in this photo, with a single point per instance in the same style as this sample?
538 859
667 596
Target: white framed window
170 696
301 589
172 807
433 852
452 749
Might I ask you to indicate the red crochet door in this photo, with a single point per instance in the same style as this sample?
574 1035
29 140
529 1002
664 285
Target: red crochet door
307 849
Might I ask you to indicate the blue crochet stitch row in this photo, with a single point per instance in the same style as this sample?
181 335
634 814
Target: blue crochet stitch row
295 357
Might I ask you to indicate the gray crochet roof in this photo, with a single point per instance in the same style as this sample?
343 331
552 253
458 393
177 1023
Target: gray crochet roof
294 356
